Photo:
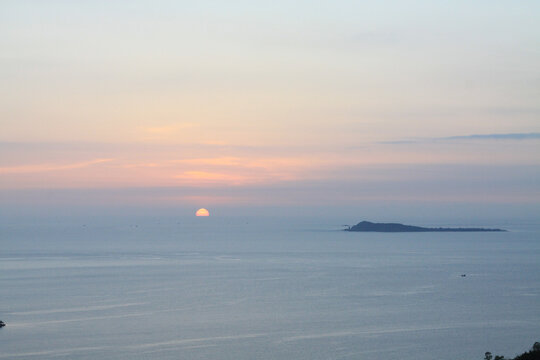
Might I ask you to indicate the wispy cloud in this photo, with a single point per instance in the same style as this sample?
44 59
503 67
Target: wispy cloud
24 169
164 132
205 177
510 136
168 129
507 136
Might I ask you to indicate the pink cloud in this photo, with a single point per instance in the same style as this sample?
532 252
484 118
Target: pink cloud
24 169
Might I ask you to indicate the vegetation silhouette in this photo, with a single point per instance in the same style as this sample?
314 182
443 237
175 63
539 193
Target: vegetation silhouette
532 354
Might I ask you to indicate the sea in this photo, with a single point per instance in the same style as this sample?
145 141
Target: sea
245 288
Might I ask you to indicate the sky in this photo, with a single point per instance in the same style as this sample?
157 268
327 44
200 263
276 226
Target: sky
243 105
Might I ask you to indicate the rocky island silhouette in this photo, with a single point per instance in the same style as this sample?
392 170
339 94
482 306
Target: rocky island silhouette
367 226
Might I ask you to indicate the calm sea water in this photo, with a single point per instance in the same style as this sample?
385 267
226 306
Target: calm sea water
263 289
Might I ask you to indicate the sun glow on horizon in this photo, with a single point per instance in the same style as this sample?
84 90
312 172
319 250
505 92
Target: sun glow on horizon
202 212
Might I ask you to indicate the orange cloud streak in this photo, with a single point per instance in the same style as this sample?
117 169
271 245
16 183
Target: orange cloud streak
204 177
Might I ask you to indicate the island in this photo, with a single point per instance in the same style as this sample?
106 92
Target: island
367 226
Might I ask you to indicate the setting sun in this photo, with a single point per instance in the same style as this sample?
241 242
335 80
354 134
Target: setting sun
202 212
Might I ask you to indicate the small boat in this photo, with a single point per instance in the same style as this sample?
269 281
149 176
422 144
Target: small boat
2 324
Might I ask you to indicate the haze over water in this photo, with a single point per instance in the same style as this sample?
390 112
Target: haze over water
252 288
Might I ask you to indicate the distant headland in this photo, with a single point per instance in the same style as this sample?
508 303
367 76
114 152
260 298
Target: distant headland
396 227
